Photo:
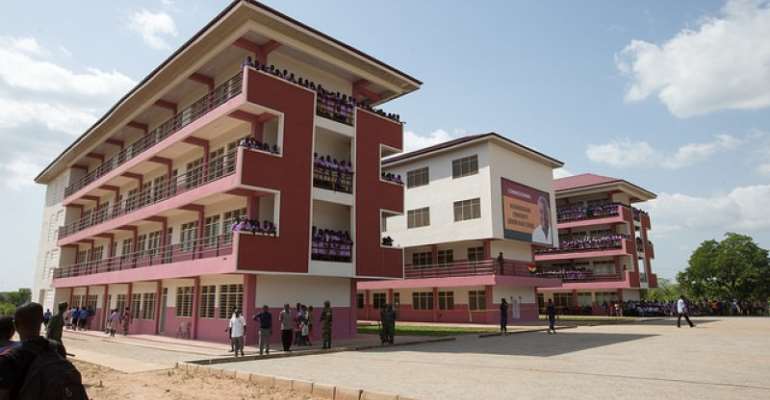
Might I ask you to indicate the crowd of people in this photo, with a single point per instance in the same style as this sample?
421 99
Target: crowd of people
577 212
251 142
331 245
333 105
79 318
243 224
329 173
387 176
587 241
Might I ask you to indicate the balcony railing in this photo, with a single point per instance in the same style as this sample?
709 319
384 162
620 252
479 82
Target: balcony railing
339 251
467 268
579 276
588 243
221 94
216 168
335 107
582 212
338 181
207 247
638 214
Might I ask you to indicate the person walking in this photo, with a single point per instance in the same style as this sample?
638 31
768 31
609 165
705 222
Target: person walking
114 321
75 316
681 311
229 332
287 327
265 320
126 320
309 322
326 325
47 316
237 331
55 326
550 311
503 316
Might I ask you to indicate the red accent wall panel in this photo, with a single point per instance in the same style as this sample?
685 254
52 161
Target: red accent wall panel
372 194
291 174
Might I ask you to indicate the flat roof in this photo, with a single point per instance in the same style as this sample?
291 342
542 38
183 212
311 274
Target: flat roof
41 178
467 140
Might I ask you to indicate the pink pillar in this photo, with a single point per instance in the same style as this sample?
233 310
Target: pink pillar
434 252
435 304
353 309
249 306
158 287
367 304
487 249
105 305
196 301
129 302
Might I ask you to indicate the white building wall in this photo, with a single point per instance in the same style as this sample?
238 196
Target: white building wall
439 195
48 254
277 290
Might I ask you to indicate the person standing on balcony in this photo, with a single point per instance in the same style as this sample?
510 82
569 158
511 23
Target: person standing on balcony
681 311
287 327
326 320
503 316
550 311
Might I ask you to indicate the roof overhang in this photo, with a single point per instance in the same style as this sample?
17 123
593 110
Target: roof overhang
637 193
239 18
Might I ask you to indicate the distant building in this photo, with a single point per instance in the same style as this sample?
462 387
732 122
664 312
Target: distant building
604 254
475 208
140 209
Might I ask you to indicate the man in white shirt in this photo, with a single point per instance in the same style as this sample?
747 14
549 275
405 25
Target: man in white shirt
542 233
237 331
681 311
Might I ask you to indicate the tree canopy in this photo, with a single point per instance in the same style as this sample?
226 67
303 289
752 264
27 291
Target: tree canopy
735 268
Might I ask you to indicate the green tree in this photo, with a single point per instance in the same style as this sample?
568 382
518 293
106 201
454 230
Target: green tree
733 269
666 291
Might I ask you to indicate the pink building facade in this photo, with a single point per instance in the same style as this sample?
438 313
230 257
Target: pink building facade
604 256
141 207
475 208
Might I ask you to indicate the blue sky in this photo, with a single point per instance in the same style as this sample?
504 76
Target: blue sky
672 96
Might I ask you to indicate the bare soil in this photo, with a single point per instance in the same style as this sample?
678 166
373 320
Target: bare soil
173 384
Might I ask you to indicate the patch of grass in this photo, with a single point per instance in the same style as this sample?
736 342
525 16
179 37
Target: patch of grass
423 330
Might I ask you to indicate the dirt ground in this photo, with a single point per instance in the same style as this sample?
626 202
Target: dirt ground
104 383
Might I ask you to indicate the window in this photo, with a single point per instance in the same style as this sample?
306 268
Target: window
136 305
584 299
141 244
562 300
419 259
475 253
465 166
184 299
379 300
418 177
120 303
230 296
78 300
477 300
360 300
194 173
396 298
422 300
188 234
446 300
467 209
148 306
208 296
211 230
445 256
417 218
159 188
91 302
216 163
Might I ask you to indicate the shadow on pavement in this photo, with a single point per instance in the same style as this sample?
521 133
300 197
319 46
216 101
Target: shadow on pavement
536 344
672 321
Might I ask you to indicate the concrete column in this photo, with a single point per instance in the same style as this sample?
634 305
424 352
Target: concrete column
196 301
158 288
487 248
435 304
249 306
129 303
252 207
353 308
105 307
490 306
390 296
367 304
434 252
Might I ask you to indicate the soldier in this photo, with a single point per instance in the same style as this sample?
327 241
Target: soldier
326 320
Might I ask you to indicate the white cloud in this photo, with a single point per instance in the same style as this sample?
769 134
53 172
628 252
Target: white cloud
19 173
627 153
56 117
561 173
414 141
153 27
24 68
742 209
722 64
764 169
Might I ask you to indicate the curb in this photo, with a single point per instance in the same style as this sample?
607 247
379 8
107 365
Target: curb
225 360
325 391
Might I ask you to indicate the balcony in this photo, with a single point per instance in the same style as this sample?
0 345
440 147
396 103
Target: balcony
579 276
468 268
587 247
216 168
221 94
186 251
328 245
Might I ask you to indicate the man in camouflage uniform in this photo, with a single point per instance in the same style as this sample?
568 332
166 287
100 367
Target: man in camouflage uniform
326 321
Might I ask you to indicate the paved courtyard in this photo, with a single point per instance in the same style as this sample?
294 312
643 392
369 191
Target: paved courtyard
719 359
